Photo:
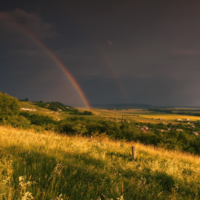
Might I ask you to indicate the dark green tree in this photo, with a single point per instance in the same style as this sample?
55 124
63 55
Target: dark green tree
9 106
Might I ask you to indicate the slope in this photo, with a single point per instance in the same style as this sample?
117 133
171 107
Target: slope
46 165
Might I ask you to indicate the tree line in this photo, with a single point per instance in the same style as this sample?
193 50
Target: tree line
195 112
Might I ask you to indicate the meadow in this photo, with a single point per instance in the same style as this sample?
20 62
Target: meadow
170 117
134 115
39 111
143 115
45 165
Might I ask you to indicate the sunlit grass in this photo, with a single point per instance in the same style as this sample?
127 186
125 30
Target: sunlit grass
79 168
27 104
173 117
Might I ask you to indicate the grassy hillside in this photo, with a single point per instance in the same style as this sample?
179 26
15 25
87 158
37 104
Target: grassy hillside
47 165
37 110
44 111
27 104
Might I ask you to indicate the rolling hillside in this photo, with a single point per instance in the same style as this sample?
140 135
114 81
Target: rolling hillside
45 165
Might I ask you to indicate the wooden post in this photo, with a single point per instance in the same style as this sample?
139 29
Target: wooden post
133 153
91 138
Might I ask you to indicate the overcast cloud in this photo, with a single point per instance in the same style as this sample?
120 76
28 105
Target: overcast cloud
118 51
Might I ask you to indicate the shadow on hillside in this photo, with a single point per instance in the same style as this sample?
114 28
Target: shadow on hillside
113 155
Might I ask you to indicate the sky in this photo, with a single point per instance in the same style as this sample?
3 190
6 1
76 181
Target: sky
119 52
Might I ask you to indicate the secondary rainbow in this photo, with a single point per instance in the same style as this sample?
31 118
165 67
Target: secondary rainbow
105 60
60 64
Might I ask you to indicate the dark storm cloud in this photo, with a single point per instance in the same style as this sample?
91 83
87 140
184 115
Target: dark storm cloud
185 52
110 43
148 49
30 21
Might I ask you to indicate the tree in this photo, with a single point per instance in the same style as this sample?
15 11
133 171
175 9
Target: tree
9 106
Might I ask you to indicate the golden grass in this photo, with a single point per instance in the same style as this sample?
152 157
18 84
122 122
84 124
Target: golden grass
170 116
141 115
30 138
100 167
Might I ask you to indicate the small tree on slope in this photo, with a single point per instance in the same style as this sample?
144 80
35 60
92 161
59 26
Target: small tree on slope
9 106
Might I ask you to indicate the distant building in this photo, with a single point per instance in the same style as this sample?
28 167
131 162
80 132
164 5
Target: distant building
178 119
160 119
47 105
28 109
145 127
179 129
187 120
195 133
168 129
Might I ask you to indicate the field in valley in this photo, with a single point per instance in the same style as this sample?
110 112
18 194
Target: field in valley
132 115
45 165
142 115
170 117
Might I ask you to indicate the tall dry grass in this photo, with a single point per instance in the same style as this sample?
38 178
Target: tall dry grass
45 165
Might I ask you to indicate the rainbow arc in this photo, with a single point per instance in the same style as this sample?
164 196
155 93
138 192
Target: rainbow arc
60 64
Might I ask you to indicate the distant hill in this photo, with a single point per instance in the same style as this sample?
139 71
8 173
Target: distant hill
120 106
54 106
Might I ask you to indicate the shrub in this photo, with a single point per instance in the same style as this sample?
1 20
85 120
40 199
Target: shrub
8 106
38 119
16 121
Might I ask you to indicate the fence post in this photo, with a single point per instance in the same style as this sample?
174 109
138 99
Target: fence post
91 138
133 153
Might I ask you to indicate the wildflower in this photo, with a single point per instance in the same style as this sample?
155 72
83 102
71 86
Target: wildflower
59 197
21 178
120 198
27 196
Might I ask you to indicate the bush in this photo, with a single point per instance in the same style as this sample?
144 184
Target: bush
16 121
87 113
38 119
8 106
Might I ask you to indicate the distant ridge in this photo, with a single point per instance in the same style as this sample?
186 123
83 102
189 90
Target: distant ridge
120 106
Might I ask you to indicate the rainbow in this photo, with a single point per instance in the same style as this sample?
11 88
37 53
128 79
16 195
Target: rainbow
105 60
60 64
114 74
